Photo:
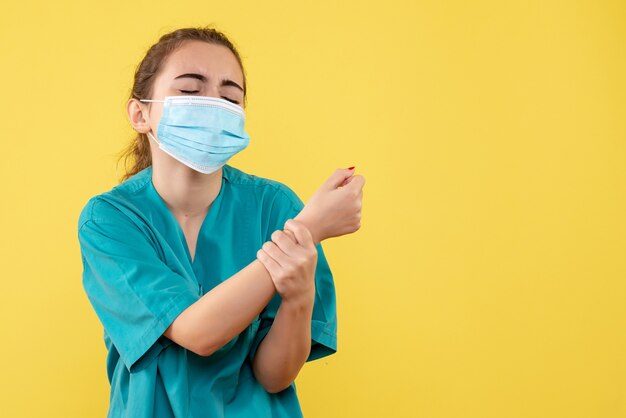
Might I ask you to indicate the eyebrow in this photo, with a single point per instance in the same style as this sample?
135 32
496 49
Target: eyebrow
224 82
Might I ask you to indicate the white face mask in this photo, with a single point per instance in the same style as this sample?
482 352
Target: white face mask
201 132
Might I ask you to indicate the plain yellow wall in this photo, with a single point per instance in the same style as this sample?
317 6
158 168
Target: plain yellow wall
489 276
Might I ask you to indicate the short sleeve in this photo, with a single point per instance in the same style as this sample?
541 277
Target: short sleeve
135 295
286 205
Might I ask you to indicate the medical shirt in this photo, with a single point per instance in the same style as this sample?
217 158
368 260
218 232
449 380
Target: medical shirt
139 276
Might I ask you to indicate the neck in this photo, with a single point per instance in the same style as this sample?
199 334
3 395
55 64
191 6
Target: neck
186 192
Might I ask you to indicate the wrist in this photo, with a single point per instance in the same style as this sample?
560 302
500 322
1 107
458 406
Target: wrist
311 225
302 303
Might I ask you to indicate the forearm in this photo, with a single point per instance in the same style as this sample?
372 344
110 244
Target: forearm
285 348
227 309
224 311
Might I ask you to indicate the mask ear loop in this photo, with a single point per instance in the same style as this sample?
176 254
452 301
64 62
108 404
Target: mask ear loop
149 133
153 137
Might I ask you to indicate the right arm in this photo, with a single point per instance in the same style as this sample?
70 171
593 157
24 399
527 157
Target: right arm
227 309
224 311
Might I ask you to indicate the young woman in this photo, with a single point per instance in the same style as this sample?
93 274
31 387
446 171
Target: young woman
211 283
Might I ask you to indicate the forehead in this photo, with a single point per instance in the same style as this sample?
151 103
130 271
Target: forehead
210 60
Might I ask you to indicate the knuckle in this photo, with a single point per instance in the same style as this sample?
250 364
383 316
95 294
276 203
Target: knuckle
281 240
290 271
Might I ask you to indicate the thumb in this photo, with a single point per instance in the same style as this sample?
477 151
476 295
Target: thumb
347 181
337 178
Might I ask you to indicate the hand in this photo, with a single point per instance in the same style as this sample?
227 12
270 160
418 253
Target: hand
291 258
335 208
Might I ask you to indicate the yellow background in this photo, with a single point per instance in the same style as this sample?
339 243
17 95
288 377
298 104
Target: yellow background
488 278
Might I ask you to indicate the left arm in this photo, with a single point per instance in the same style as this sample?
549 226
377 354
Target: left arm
291 259
285 348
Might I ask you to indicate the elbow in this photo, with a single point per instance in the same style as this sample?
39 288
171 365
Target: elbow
197 349
275 387
210 346
207 348
198 346
270 382
193 339
204 344
202 351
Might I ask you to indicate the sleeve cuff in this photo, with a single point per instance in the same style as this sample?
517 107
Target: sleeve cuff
151 344
323 340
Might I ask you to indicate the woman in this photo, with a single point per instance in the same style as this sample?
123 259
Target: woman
211 283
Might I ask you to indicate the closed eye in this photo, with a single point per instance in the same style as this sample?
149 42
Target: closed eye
196 91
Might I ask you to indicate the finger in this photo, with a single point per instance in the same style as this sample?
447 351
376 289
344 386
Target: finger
291 235
288 234
338 177
302 233
284 242
346 181
356 183
270 264
276 253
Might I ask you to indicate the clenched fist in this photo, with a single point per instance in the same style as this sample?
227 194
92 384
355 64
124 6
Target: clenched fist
335 208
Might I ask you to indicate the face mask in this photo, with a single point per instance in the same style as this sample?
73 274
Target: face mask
201 132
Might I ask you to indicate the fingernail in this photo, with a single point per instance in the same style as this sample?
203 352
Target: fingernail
350 168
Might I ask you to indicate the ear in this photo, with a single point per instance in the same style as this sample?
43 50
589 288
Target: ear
135 110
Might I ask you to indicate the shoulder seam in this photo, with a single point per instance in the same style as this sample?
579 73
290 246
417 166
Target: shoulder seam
95 200
90 203
274 184
294 204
